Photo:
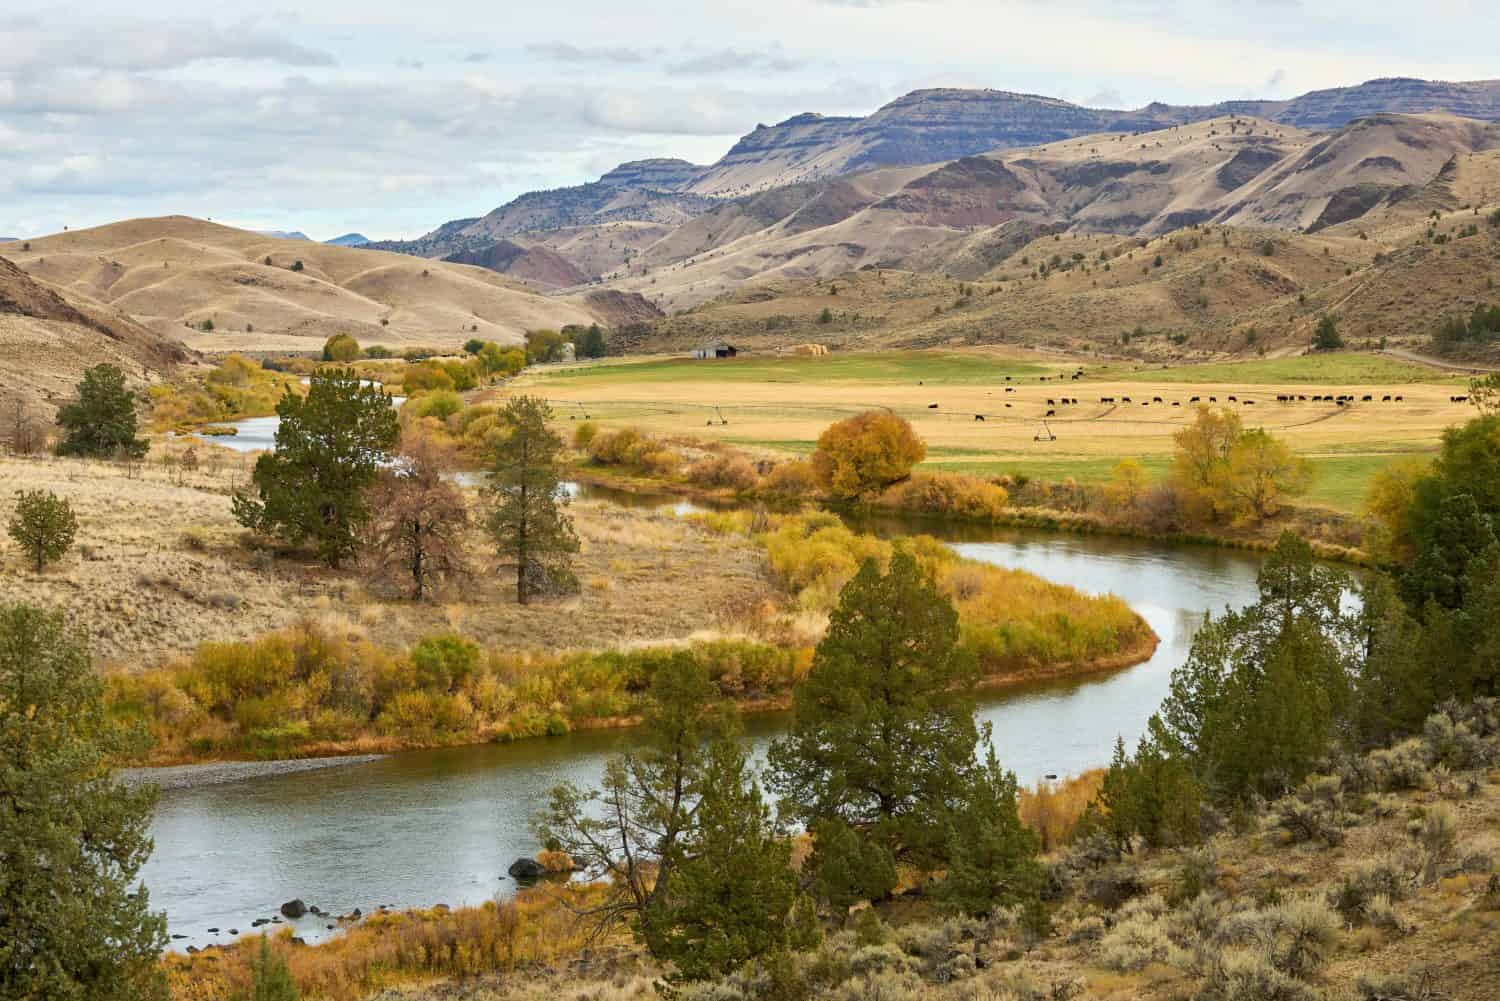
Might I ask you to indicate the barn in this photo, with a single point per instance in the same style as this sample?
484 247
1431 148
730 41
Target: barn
715 349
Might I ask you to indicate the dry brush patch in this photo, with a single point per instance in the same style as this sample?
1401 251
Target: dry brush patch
160 565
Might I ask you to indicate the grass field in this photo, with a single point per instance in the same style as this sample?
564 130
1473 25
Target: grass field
1335 369
782 405
953 368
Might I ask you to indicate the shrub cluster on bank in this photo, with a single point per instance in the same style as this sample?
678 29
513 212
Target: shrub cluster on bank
1013 622
306 689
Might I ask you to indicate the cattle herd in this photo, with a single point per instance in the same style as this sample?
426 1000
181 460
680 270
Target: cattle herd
1054 404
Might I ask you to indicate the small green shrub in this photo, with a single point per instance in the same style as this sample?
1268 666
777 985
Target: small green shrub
43 525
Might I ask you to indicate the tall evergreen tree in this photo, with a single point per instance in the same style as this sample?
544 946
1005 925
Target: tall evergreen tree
1257 701
991 854
102 422
329 448
527 520
883 739
733 890
74 922
629 831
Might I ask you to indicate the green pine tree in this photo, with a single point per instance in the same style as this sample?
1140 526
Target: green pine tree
991 854
329 448
734 887
102 423
883 738
628 831
593 343
1326 337
527 520
74 920
1263 690
43 525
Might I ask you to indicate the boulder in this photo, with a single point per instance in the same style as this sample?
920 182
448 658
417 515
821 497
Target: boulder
293 909
526 870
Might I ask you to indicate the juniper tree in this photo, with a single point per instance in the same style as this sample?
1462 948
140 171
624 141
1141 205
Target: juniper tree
731 896
102 422
330 445
43 525
74 920
1264 688
629 831
883 738
527 520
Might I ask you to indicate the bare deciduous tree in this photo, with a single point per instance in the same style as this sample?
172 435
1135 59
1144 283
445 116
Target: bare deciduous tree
23 432
416 537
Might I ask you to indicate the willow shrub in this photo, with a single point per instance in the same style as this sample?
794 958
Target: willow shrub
1012 620
304 687
238 387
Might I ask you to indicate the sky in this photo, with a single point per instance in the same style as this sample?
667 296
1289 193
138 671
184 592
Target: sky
391 118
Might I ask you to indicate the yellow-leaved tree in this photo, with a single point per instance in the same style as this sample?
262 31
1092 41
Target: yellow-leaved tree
866 453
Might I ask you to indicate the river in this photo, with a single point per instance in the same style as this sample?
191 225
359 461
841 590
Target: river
441 826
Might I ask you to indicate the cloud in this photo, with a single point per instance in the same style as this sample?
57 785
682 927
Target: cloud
1106 98
566 52
476 57
768 60
137 45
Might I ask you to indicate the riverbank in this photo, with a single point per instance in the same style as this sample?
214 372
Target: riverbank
1399 916
1260 538
212 773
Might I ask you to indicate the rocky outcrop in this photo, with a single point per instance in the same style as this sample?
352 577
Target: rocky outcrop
621 309
525 870
658 174
536 265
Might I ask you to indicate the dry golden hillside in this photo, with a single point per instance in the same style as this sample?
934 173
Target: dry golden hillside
47 340
179 275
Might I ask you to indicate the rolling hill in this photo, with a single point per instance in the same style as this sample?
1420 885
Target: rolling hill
217 288
47 339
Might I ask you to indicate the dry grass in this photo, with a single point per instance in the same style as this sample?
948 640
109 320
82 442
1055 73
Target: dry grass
160 566
534 927
175 273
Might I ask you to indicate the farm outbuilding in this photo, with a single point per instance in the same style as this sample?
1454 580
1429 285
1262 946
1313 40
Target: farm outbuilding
715 349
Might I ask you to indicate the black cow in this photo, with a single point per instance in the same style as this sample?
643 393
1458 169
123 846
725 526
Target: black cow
1367 398
1052 413
1386 398
932 406
979 417
1124 399
1156 399
1194 399
1213 399
1400 399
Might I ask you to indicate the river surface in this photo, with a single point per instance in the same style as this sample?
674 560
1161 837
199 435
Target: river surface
441 826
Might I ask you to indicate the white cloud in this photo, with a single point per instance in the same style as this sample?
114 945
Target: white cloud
301 119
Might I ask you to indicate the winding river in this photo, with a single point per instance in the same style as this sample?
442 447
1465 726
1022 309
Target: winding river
441 826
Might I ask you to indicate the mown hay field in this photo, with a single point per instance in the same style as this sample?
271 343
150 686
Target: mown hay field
783 404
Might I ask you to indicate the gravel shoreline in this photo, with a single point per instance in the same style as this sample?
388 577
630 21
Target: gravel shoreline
222 772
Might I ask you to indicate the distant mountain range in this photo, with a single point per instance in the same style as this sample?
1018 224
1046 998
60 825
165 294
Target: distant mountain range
923 127
348 240
282 234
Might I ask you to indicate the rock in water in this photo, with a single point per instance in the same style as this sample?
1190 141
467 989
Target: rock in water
526 870
293 909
